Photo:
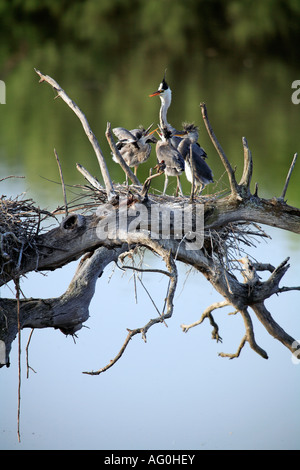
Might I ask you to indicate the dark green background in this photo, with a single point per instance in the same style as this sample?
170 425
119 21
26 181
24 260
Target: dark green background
240 58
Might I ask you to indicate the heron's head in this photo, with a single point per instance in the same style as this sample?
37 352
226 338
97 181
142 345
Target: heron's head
190 131
146 135
163 90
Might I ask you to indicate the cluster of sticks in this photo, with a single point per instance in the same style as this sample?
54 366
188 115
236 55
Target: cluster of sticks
20 224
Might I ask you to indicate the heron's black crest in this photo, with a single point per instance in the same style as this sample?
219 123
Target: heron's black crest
187 127
163 86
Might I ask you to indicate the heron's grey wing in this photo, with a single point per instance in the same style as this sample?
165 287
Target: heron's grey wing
123 134
178 162
137 133
184 148
171 157
176 141
199 150
202 170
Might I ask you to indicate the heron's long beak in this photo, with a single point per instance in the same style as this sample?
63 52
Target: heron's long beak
155 93
179 133
148 128
152 132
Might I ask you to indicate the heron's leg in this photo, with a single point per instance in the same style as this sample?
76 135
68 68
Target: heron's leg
193 188
202 186
166 184
179 186
193 174
192 193
135 170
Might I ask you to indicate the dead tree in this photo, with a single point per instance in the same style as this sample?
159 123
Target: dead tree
231 223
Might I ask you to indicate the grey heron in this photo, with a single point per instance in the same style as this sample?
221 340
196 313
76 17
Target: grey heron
185 141
165 94
135 145
170 157
197 171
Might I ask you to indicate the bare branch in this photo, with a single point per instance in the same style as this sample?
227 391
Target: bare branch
159 271
228 168
93 181
160 170
170 263
264 267
11 176
234 355
248 337
272 327
288 177
104 170
248 167
287 289
130 335
27 354
250 334
62 183
207 314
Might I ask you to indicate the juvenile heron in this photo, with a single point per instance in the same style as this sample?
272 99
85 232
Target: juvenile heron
197 171
135 145
171 158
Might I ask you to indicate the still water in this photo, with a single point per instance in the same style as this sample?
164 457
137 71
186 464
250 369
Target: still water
251 100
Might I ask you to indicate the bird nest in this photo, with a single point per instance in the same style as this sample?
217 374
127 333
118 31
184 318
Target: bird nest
20 224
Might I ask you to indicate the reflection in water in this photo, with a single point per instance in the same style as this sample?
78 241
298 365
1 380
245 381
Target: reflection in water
253 101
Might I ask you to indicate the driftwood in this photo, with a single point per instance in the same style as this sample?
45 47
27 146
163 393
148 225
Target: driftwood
114 221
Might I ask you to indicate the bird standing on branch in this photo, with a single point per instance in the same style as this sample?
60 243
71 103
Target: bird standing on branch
197 171
167 154
135 145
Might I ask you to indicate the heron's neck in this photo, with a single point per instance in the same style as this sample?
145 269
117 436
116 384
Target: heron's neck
165 104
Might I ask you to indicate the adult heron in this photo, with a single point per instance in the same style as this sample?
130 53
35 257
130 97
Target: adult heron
165 94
